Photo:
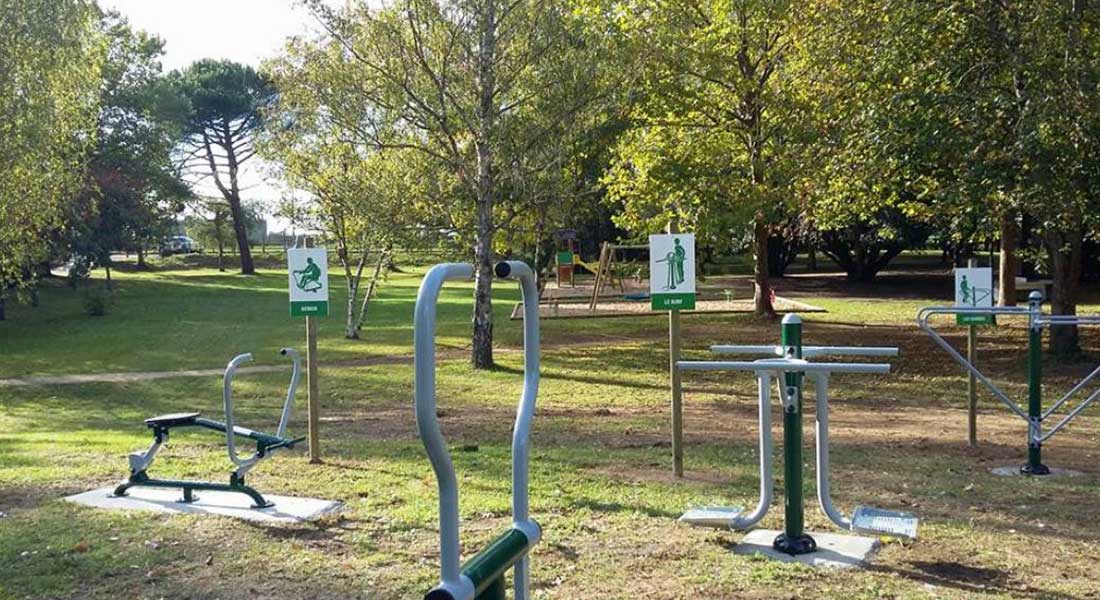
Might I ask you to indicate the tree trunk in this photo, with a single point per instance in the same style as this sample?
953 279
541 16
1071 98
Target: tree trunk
1010 264
3 307
482 355
811 259
221 254
762 296
107 268
1065 258
382 260
241 232
141 258
351 330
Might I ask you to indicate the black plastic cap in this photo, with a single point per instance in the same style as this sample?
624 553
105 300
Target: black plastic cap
282 351
503 270
438 595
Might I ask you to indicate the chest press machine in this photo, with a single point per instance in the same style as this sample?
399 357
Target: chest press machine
266 443
482 577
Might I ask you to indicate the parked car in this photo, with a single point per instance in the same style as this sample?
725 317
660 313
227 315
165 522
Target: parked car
178 244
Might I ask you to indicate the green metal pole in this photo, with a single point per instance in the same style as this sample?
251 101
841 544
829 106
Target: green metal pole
793 540
1034 464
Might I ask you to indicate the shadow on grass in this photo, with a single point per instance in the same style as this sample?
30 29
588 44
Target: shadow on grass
974 580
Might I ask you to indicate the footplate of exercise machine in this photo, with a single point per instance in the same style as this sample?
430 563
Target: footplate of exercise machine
716 517
878 521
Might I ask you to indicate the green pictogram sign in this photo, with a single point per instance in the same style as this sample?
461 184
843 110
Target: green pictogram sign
974 289
308 273
672 271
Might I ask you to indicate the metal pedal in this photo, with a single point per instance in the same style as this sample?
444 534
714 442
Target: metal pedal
716 517
885 522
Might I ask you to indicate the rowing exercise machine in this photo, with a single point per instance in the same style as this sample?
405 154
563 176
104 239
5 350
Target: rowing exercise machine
266 443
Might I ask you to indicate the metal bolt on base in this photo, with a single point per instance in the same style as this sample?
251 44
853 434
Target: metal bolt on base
802 544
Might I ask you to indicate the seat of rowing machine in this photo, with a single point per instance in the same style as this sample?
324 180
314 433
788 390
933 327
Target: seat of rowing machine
173 419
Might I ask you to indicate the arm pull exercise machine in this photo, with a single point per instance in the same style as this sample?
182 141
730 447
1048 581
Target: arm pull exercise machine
266 443
482 577
1035 416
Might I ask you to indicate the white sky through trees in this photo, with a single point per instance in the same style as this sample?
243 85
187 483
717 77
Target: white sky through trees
245 31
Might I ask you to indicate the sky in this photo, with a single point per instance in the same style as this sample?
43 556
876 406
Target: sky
246 31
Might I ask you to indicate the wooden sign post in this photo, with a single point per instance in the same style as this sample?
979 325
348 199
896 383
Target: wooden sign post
672 288
308 272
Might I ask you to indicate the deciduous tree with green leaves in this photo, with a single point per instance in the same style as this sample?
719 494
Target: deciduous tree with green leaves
51 56
713 145
453 81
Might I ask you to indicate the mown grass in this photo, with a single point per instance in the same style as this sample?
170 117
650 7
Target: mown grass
600 463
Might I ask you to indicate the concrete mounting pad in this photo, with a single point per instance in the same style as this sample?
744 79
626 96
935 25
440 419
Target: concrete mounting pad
833 550
287 509
1054 472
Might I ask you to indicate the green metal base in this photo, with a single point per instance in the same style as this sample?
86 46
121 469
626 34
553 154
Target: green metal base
1037 469
235 485
794 546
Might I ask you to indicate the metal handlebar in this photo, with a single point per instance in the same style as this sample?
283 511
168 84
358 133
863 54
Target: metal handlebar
525 414
427 422
808 351
295 378
452 579
227 398
781 365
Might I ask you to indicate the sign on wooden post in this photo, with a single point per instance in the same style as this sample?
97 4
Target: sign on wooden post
307 271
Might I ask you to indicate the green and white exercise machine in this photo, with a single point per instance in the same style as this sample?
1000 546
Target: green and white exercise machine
788 371
266 443
482 577
1034 416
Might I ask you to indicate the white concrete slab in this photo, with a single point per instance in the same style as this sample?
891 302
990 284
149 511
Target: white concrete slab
287 509
1054 472
834 551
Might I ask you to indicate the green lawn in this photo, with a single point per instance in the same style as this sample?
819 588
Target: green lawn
600 463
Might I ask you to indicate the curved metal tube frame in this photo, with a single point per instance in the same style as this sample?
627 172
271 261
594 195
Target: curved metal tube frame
1036 320
452 579
824 498
244 464
767 482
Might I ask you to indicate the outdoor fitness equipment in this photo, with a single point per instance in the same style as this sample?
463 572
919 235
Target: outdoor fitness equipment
266 443
482 577
1035 415
788 371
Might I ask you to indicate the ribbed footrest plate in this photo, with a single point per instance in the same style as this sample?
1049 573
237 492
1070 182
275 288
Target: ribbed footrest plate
716 517
878 521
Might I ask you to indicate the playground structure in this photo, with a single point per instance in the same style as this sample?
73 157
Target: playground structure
605 270
482 577
1034 416
266 443
788 371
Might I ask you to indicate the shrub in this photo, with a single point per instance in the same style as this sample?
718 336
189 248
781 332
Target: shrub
96 302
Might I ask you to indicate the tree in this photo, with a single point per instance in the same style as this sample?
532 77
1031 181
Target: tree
223 117
132 190
715 131
453 81
51 54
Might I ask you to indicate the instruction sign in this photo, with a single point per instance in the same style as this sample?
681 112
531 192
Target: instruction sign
672 271
308 274
974 289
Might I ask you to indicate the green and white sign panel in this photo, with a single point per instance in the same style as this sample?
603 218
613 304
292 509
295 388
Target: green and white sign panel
974 289
308 272
672 271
